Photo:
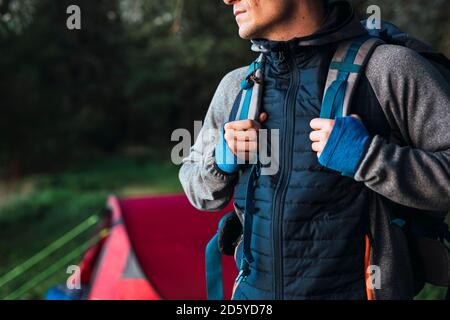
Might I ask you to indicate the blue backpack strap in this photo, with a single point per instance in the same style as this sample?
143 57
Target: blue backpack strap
256 75
346 68
236 106
246 106
248 210
213 257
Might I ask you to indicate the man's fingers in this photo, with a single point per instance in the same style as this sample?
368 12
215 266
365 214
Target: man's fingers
321 124
318 146
242 125
242 136
317 136
242 146
248 135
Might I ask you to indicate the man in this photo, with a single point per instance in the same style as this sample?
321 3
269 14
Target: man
326 215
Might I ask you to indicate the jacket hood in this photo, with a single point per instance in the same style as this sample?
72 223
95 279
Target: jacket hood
340 24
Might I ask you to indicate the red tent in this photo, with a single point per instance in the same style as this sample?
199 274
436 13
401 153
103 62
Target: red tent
155 249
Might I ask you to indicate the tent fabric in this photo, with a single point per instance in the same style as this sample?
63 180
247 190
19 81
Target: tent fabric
156 250
110 282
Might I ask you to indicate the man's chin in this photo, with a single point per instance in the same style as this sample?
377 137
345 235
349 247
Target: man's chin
246 34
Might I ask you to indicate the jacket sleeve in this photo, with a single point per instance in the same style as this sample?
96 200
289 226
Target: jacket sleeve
415 98
207 187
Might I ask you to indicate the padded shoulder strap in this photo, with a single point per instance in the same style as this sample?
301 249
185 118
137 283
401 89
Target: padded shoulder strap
348 64
247 103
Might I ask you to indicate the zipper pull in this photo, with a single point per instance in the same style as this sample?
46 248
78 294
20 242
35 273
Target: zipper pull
281 56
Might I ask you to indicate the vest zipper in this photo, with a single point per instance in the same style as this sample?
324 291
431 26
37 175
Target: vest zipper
286 143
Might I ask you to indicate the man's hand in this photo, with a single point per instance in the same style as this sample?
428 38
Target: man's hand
319 137
242 136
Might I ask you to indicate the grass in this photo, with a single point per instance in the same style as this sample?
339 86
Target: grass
45 207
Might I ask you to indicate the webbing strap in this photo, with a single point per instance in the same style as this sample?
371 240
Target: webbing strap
235 109
247 83
248 212
213 259
251 100
333 102
345 67
334 98
214 285
245 106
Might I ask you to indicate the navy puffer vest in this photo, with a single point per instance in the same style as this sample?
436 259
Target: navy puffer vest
309 222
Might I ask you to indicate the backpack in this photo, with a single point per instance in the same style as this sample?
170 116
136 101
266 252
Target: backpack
426 235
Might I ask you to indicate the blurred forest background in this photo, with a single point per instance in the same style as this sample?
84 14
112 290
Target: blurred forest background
90 112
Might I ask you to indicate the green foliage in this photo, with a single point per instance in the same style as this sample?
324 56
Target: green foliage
61 89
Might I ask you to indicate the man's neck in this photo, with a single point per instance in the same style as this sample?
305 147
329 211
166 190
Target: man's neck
305 19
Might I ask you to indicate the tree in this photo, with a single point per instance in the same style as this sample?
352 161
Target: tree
61 89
